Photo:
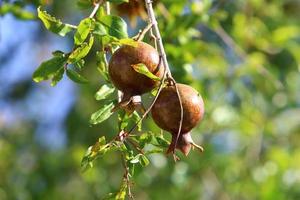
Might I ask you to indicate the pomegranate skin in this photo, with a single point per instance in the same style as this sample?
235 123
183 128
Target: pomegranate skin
125 78
166 110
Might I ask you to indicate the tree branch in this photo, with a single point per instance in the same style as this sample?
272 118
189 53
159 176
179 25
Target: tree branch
153 21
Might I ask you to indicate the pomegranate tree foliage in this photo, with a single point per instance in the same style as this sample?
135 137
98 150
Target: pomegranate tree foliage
242 56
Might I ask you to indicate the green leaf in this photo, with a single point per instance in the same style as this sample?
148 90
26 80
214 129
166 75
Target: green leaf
131 168
53 24
98 149
48 68
79 64
154 91
136 159
58 53
140 158
144 139
83 30
102 114
162 141
100 29
144 160
136 117
104 91
155 150
116 26
100 13
57 76
124 120
81 51
74 76
142 69
102 65
121 195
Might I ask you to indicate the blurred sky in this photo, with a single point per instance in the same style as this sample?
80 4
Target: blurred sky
21 51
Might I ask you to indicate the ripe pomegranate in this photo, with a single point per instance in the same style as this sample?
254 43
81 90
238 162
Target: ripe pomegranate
125 78
166 113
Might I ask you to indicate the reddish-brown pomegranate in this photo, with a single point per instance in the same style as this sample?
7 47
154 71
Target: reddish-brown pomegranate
166 113
125 78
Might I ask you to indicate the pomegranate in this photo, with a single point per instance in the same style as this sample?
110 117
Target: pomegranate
125 78
166 114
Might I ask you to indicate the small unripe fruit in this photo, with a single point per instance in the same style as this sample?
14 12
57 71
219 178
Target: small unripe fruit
166 113
125 78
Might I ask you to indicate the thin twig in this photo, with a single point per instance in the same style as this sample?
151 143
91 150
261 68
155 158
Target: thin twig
107 8
140 36
126 176
152 20
72 26
152 37
97 5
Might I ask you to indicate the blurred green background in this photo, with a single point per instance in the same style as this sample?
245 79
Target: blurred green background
241 55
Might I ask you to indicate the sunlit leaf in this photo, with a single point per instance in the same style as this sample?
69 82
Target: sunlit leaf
128 41
53 24
100 29
121 195
81 51
115 25
144 160
102 65
104 91
83 30
102 114
49 68
57 76
79 64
